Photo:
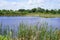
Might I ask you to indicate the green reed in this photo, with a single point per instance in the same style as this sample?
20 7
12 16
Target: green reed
42 32
29 32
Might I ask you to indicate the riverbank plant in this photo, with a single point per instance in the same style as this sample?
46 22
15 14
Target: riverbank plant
29 32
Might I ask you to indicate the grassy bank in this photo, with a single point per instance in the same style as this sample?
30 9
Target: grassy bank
45 15
26 32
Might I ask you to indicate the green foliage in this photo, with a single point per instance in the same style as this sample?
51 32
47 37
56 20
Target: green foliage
53 11
40 10
22 12
47 11
34 10
3 37
59 11
26 32
34 33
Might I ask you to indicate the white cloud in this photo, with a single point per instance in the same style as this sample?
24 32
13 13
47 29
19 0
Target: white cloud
27 4
2 3
10 5
35 1
16 5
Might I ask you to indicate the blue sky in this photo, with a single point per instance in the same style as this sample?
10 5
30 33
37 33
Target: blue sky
29 4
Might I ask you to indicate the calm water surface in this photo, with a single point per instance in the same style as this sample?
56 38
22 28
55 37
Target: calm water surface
15 21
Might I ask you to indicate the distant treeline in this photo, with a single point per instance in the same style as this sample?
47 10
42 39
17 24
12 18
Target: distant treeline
22 12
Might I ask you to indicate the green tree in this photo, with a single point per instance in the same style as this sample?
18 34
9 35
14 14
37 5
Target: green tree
21 10
59 11
53 11
34 10
40 10
47 11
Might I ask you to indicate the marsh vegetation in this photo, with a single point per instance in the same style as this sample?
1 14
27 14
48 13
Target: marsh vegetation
26 32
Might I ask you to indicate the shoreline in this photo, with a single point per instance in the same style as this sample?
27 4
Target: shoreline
35 15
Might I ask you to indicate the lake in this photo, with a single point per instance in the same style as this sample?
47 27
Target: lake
14 22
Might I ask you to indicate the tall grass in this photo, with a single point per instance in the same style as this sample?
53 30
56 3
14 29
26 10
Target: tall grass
38 33
26 32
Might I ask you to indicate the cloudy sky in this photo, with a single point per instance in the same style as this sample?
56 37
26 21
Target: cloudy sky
28 4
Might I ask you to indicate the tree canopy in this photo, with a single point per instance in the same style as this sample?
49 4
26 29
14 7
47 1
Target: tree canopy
21 12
